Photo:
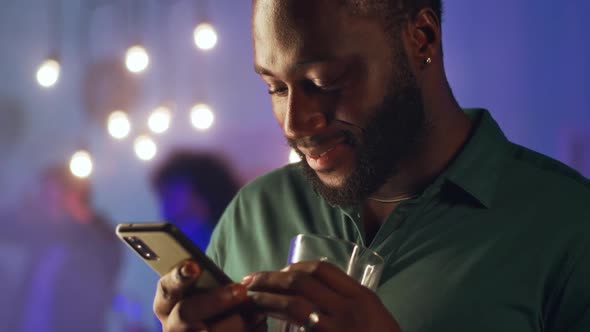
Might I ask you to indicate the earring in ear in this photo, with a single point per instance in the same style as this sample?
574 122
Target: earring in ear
428 61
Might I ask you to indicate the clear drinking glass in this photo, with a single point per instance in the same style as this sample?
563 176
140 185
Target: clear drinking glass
360 263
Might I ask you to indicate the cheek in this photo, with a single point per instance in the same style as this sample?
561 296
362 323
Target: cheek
278 112
173 204
353 108
169 208
357 103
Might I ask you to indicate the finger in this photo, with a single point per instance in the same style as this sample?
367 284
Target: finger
294 309
207 306
173 286
173 325
332 276
231 323
296 283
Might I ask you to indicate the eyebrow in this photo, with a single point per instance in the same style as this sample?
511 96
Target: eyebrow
263 71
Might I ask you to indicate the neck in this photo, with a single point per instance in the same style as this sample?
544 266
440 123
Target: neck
449 130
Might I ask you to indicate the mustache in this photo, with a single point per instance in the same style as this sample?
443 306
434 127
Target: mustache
346 136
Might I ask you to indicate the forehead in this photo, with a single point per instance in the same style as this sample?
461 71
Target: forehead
285 30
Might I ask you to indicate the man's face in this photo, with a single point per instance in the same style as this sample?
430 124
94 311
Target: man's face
342 91
180 205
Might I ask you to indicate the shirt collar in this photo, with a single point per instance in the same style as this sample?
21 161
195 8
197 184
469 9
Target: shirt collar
478 166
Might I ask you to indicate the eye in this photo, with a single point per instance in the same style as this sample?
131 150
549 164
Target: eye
332 81
329 87
277 90
321 87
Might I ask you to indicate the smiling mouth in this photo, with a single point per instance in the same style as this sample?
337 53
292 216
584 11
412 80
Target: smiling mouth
317 156
317 152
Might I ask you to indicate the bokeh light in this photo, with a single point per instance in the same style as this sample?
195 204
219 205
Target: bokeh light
81 164
119 125
202 117
48 73
294 157
159 120
145 148
137 59
205 36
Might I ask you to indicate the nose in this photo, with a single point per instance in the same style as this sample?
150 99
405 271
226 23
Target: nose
304 115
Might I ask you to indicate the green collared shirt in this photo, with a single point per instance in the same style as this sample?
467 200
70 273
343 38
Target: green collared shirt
499 242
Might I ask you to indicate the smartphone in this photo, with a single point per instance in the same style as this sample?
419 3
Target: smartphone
163 247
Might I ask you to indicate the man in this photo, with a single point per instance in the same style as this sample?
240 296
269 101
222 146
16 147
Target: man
70 258
478 234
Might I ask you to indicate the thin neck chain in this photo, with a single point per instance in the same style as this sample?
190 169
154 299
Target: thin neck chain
393 200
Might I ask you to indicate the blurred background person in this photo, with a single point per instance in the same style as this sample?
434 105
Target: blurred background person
193 189
69 280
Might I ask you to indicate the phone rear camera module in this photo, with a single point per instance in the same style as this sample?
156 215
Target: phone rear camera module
148 254
141 248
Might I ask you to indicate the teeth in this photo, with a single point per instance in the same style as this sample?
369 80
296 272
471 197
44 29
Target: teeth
330 149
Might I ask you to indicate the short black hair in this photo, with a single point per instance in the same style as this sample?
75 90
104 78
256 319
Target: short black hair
414 6
207 174
392 8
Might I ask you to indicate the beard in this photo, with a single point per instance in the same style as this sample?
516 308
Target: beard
393 133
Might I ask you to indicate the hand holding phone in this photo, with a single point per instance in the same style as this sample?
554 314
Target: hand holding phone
163 246
216 309
215 304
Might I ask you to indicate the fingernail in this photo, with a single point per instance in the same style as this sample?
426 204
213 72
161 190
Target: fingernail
233 291
247 280
188 271
238 291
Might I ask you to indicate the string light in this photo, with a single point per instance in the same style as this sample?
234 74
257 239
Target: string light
81 164
202 117
159 120
119 125
145 148
48 73
205 36
137 59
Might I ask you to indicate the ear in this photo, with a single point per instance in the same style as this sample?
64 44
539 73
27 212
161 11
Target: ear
424 38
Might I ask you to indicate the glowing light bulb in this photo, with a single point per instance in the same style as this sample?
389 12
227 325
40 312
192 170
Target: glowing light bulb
145 148
159 120
137 59
202 117
294 157
205 36
119 125
48 73
81 164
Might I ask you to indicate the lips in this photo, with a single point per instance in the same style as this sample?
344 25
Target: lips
318 151
312 156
